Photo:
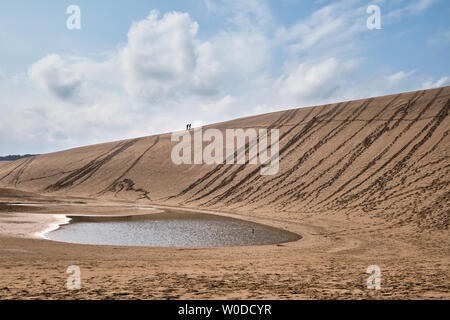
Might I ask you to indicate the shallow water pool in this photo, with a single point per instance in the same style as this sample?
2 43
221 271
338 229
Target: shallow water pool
170 229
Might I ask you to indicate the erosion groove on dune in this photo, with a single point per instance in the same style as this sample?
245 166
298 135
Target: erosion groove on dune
119 184
389 175
84 173
295 193
254 173
384 157
232 175
305 156
20 169
285 116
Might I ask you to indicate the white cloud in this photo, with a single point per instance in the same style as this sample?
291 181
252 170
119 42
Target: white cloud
220 106
165 76
163 58
397 77
249 14
419 5
57 77
160 56
313 81
442 38
162 78
77 80
439 83
242 54
331 26
411 8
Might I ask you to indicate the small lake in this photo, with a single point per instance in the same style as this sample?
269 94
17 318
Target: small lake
169 229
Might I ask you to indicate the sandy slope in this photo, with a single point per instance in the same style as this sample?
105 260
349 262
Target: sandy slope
366 182
2 163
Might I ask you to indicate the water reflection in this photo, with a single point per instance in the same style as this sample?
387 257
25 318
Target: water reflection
170 229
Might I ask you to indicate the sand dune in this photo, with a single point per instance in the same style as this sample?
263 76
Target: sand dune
359 179
386 156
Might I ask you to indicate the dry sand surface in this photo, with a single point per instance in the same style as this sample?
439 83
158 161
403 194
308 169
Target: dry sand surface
363 182
2 163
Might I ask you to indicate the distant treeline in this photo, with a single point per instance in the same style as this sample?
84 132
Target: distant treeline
16 157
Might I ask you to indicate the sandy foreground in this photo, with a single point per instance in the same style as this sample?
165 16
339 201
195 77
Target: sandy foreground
329 262
364 183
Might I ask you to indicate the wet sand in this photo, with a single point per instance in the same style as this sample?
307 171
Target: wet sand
26 225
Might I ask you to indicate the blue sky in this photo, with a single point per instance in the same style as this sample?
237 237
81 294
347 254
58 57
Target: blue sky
142 67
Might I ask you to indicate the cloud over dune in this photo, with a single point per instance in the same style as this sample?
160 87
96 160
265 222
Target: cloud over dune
168 73
57 77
